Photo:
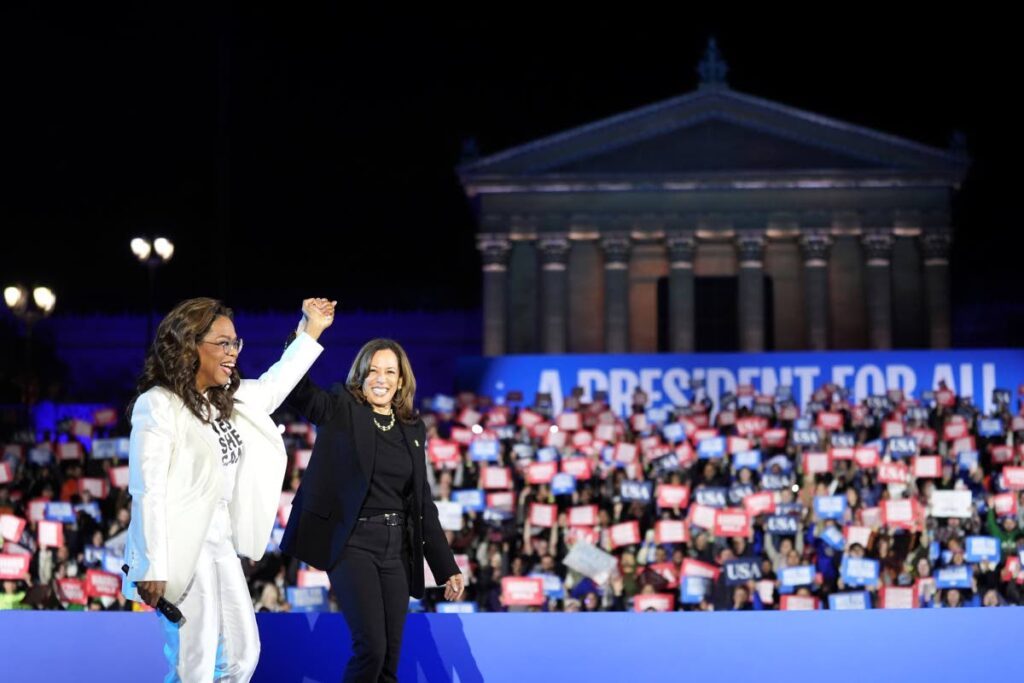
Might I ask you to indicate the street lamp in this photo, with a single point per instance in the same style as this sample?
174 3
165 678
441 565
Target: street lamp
152 255
29 307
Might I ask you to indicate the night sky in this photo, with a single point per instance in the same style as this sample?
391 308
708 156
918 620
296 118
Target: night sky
295 154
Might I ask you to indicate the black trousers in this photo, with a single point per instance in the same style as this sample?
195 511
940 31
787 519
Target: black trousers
372 589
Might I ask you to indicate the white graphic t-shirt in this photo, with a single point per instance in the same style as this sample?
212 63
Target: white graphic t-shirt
230 453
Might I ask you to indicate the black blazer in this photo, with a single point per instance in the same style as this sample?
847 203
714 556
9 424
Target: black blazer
337 480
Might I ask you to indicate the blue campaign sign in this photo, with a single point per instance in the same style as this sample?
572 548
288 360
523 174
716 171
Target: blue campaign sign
547 454
553 586
92 509
750 460
310 599
456 607
794 509
775 482
803 423
830 507
982 549
859 571
953 577
712 496
276 534
505 432
563 484
443 404
484 450
692 589
104 449
934 551
60 512
112 563
94 555
844 440
741 571
990 426
657 416
967 460
834 538
737 492
470 499
901 446
637 491
665 378
780 461
714 447
522 451
674 432
809 438
783 525
791 577
40 455
858 600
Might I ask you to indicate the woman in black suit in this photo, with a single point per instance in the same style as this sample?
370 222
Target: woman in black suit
364 512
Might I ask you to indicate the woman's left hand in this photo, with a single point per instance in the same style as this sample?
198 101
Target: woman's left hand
317 316
454 586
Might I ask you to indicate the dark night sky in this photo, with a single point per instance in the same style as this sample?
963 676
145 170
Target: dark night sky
313 153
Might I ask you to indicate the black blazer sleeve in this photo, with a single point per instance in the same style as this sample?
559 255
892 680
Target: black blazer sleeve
435 546
314 403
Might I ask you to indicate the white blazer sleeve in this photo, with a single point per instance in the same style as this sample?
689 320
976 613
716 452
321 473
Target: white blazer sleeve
272 388
152 441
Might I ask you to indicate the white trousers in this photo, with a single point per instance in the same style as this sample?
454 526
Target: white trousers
219 640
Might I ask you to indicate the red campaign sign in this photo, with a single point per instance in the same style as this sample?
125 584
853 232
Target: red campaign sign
606 432
963 444
926 440
540 430
692 567
702 516
556 439
104 417
302 456
1013 478
313 578
866 457
37 509
442 451
461 435
892 428
570 422
762 503
625 453
903 513
656 453
501 500
626 533
469 417
857 414
543 515
654 602
119 477
700 420
751 426
528 418
498 416
578 467
798 603
726 418
857 534
686 454
638 422
668 571
736 444
71 591
14 566
689 426
284 507
670 531
97 487
673 496
101 584
789 413
704 433
1002 454
50 534
1017 424
581 534
897 597
649 443
774 438
297 428
892 473
928 467
957 419
11 528
540 472
732 522
81 428
1005 505
495 478
522 590
582 439
830 421
871 517
945 397
583 515
817 463
70 450
954 430
6 473
841 453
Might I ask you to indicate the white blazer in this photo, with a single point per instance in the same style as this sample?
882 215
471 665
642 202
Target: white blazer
175 475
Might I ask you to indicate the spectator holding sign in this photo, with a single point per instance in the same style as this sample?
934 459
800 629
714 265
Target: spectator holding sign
206 467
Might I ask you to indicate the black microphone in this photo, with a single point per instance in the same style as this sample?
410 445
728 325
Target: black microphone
168 609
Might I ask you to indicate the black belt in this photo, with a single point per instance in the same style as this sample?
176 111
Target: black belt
388 519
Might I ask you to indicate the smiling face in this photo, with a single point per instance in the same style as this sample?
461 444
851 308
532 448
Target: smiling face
215 364
383 379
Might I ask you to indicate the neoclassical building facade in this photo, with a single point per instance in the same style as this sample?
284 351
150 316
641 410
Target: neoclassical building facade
715 221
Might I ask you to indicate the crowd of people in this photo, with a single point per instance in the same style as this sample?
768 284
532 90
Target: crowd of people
757 503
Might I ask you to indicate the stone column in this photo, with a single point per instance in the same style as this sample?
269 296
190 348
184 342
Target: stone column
616 293
554 295
750 248
878 281
815 251
494 251
682 335
935 246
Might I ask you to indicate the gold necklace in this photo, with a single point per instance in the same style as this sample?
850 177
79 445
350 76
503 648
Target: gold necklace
389 425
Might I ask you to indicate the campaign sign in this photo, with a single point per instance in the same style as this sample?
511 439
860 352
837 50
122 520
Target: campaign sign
501 501
833 538
738 492
570 422
902 513
850 601
1001 454
471 500
542 515
791 577
774 438
892 473
858 535
866 457
897 597
541 472
807 438
1013 478
926 440
859 571
982 549
990 427
692 589
583 515
582 439
460 607
11 527
112 562
522 590
674 432
702 516
961 445
92 509
307 578
50 534
731 522
553 586
953 577
817 463
579 468
830 507
307 599
692 567
892 429
830 421
71 591
94 485
654 602
798 603
625 453
563 484
101 584
442 451
495 478
1005 505
776 482
637 491
450 515
60 512
762 503
967 460
711 496
741 571
14 567
712 448
673 496
670 531
747 460
484 450
626 533
782 525
843 440
104 449
901 447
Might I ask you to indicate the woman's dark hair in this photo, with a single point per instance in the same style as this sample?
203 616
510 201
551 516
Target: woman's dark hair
173 359
403 400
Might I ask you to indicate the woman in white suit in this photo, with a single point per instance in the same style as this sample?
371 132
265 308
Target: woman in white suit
205 471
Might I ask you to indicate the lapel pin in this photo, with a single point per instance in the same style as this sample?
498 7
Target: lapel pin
417 442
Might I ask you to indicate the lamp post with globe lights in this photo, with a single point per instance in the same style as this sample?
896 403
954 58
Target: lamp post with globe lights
29 306
152 255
